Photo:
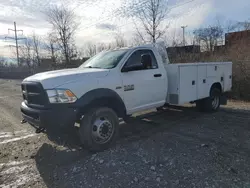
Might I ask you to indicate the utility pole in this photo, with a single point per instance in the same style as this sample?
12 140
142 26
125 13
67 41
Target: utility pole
183 28
16 39
17 53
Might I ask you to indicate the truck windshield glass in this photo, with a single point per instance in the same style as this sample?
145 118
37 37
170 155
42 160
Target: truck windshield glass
105 60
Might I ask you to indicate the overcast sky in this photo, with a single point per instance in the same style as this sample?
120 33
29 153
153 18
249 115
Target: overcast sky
98 21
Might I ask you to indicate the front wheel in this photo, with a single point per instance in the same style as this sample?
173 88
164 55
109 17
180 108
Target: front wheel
99 128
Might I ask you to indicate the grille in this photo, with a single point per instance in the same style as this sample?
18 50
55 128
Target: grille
34 94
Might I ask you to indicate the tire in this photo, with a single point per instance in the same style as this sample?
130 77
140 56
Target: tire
210 104
99 129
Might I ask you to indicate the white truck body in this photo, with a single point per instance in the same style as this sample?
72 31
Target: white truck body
115 84
178 83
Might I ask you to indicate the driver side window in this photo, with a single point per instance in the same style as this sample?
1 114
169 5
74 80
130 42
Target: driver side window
135 58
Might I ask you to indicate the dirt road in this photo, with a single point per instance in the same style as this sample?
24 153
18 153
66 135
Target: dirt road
174 148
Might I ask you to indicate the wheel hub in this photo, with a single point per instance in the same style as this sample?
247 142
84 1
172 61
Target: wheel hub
102 130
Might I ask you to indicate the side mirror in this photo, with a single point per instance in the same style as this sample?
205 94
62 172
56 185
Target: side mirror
132 68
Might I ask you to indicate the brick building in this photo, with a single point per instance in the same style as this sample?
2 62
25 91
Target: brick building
237 37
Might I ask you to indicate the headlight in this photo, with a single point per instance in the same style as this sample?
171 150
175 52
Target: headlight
61 96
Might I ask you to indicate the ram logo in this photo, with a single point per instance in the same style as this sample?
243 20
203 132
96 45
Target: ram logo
129 87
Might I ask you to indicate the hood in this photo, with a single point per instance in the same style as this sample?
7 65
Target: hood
52 79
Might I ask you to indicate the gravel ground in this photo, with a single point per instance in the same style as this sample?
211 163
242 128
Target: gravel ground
177 147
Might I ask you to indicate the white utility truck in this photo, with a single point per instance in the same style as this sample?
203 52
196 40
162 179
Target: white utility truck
115 84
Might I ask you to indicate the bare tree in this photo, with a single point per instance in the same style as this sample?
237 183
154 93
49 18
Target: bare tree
246 25
119 40
51 46
152 18
240 26
91 50
2 62
81 52
234 26
64 25
26 53
36 42
30 51
135 40
101 46
209 37
174 38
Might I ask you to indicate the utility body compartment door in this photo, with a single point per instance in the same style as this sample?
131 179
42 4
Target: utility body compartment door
227 77
202 87
212 70
188 83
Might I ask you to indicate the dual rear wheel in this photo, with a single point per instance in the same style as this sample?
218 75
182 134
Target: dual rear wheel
212 103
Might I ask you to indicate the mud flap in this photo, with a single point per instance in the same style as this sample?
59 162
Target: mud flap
223 100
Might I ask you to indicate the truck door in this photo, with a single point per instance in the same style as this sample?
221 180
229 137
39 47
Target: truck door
143 88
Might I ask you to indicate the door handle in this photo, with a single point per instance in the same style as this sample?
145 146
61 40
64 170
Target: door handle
157 75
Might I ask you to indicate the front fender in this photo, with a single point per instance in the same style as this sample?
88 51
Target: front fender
102 96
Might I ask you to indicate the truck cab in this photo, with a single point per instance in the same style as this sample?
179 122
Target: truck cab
115 84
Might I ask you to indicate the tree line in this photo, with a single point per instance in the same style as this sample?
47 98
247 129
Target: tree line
151 25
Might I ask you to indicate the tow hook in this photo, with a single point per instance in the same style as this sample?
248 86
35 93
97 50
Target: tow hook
23 121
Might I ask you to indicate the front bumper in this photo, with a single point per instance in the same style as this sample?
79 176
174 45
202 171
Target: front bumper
53 117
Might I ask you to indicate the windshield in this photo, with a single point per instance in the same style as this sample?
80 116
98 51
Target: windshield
105 60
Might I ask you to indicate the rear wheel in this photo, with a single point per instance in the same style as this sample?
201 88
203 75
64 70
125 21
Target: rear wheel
99 128
212 103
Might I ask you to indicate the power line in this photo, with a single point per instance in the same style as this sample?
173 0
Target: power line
133 21
16 39
116 13
137 4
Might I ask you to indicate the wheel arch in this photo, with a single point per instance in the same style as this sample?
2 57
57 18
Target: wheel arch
101 97
216 85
